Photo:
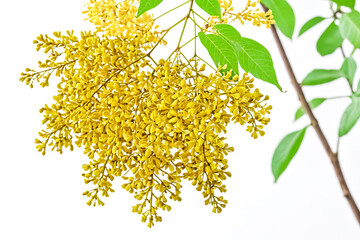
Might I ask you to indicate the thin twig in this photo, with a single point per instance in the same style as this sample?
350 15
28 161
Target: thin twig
314 122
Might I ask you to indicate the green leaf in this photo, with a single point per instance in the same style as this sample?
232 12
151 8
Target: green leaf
146 5
321 76
256 59
350 27
283 15
228 32
309 24
350 116
220 51
212 7
286 151
314 103
330 40
252 56
349 69
358 89
346 3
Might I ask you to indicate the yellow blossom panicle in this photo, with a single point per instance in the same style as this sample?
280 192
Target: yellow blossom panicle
151 122
250 13
120 18
253 14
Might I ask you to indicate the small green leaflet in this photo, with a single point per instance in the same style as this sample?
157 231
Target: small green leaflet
346 3
321 76
283 15
358 89
212 7
220 51
349 69
330 40
228 32
350 116
309 24
146 5
252 56
350 27
314 103
286 151
256 59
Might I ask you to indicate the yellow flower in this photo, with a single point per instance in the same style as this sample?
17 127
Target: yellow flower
152 123
250 13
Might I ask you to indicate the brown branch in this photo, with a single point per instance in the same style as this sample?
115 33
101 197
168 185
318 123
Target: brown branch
332 156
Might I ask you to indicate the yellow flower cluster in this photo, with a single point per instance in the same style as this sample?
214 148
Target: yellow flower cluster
119 19
251 13
152 123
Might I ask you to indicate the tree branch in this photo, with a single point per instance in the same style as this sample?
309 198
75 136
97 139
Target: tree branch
332 156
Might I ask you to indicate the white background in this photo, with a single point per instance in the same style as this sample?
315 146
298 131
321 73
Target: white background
41 197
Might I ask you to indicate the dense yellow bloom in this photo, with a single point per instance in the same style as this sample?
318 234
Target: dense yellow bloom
120 18
250 13
152 123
